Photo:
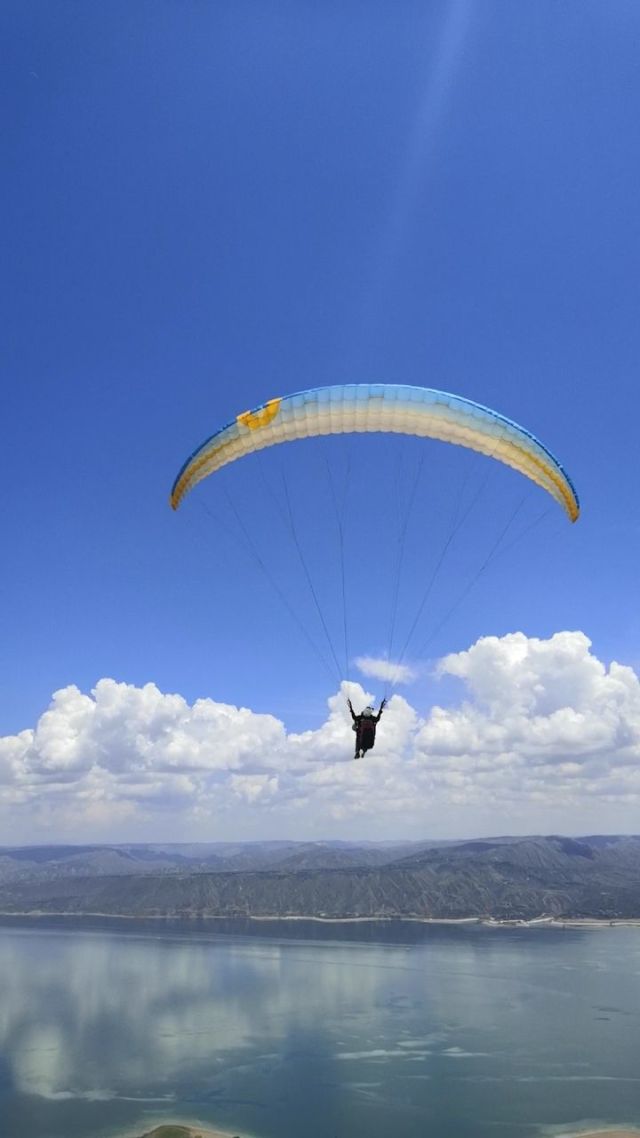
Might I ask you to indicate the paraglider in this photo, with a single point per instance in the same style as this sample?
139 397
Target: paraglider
372 408
364 726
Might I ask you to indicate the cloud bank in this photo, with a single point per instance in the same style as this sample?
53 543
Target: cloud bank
380 669
544 738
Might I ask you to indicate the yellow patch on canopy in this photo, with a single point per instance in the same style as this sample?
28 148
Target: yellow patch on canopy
255 419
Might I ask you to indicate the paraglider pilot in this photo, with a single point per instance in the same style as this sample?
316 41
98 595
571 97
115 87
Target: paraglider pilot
364 726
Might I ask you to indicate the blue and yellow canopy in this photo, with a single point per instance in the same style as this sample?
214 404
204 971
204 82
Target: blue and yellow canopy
368 407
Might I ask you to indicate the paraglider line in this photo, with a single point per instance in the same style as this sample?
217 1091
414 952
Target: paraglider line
251 551
527 529
457 524
307 574
485 564
340 518
402 535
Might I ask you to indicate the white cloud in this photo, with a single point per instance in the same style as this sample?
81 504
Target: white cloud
546 737
381 669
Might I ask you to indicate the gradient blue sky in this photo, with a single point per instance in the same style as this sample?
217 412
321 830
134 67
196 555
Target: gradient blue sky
208 204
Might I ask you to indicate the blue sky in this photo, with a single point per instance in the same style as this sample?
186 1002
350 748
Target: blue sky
206 205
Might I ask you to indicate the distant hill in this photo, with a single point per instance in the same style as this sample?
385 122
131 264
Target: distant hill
504 878
40 863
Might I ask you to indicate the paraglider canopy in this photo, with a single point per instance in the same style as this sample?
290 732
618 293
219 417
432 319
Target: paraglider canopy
358 409
381 407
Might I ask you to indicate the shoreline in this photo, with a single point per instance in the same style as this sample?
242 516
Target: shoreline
487 922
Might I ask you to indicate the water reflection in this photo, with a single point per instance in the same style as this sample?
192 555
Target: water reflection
468 1031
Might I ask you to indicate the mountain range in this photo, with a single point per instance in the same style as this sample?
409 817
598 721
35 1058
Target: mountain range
505 878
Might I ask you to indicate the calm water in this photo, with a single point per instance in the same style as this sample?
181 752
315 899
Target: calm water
327 1032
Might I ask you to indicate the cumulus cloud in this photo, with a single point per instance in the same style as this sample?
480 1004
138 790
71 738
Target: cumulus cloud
381 669
545 737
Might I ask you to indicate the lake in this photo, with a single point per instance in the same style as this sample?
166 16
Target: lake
291 1029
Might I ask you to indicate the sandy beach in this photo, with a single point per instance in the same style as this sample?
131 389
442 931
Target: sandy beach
186 1130
604 1134
189 1130
182 1130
